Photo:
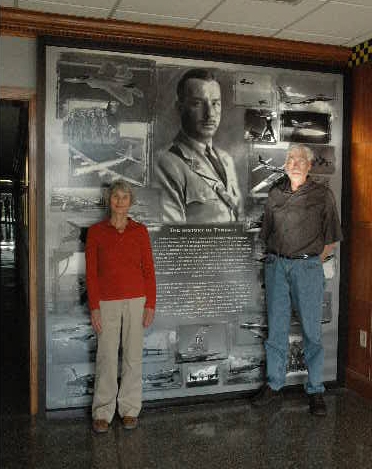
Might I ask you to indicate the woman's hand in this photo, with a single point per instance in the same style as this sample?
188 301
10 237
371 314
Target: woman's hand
95 318
148 317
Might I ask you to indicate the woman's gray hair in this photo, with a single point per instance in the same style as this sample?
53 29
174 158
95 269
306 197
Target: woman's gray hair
119 185
303 150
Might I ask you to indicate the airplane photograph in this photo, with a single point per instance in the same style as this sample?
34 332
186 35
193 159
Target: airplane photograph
103 78
245 369
161 378
201 343
289 97
261 187
105 162
80 385
311 94
254 91
305 127
260 126
158 345
202 376
117 81
77 199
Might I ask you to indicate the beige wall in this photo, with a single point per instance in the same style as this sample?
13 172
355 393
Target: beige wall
18 62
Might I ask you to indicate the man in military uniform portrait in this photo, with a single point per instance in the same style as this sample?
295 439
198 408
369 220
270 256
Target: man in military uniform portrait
198 180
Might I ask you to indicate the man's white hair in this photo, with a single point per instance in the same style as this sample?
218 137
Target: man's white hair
303 150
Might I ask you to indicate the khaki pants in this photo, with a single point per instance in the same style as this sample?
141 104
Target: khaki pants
123 316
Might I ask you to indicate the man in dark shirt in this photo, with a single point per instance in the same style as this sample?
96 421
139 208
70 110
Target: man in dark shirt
300 229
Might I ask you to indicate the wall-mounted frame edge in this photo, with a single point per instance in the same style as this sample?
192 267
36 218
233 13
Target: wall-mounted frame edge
125 46
16 22
345 245
40 93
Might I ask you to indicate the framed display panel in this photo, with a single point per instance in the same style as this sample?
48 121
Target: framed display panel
112 115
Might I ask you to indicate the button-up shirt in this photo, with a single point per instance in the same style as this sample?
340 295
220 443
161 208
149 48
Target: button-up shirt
300 222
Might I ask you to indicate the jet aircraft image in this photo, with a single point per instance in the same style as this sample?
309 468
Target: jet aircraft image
115 80
288 97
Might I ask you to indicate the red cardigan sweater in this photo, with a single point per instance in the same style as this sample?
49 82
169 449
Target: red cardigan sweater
119 265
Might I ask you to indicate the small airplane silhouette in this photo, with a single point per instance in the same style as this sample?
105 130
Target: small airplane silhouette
243 81
258 330
301 125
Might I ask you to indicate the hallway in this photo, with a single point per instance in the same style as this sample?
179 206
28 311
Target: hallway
14 330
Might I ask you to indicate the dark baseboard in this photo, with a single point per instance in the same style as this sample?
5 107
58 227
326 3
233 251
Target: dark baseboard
359 383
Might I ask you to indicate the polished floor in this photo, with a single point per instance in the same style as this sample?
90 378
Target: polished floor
228 434
224 434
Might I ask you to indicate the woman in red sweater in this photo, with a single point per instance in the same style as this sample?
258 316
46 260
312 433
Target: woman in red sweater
121 288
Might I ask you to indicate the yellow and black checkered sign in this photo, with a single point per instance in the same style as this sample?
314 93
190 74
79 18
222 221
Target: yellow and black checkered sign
362 53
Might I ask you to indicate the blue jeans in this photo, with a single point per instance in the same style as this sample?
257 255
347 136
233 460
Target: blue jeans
297 283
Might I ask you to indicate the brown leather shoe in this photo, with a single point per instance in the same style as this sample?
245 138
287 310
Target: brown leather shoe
100 426
130 423
266 397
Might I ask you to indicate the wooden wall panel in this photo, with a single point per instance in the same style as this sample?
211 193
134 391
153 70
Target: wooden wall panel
359 364
360 285
361 125
359 357
361 180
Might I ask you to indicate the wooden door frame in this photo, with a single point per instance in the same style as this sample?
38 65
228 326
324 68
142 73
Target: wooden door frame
29 95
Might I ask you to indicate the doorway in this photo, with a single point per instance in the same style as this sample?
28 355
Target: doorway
18 252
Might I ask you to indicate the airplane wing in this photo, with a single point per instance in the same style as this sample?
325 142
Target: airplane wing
262 164
266 182
124 95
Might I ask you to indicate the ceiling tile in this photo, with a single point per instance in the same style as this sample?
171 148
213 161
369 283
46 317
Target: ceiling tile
315 38
64 9
357 40
258 13
237 28
176 8
155 19
336 19
366 3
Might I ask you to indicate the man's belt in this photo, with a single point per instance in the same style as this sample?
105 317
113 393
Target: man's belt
299 256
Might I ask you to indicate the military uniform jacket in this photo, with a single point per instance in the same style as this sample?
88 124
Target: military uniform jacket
192 191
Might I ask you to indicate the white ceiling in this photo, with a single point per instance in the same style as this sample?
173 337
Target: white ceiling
337 22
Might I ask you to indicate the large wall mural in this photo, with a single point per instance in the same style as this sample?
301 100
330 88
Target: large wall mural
114 115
